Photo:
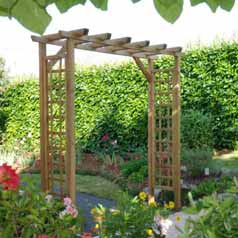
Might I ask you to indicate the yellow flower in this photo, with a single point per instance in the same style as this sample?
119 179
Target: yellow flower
171 205
142 196
98 214
97 226
178 218
94 211
166 206
149 232
153 204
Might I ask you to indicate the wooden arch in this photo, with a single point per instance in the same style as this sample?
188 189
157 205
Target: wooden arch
57 113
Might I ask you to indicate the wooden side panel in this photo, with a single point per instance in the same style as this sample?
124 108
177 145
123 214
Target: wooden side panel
176 132
43 117
70 117
151 133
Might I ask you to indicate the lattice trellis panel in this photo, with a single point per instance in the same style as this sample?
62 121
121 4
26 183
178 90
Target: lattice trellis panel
56 126
167 129
164 128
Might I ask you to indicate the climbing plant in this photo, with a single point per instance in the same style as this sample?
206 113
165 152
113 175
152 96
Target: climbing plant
33 14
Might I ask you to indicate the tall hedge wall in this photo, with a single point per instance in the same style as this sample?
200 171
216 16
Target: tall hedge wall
112 99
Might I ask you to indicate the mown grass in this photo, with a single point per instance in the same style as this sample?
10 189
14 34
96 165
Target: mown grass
93 185
226 161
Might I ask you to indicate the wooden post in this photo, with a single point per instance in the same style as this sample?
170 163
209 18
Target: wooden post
43 117
70 116
151 133
176 133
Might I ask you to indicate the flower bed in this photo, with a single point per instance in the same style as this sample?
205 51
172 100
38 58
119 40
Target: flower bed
28 213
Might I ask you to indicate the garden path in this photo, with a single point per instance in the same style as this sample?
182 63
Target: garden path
173 231
87 202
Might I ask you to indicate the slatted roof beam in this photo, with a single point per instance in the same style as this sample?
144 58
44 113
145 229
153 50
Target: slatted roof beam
74 34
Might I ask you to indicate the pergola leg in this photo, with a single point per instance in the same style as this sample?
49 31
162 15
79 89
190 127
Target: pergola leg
176 132
70 116
43 117
151 133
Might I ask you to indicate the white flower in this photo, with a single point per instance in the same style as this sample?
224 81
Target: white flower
48 198
165 225
62 214
29 135
21 192
183 168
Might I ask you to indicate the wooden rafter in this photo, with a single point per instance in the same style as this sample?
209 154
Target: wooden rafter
104 44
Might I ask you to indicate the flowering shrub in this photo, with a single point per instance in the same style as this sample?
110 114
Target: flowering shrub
9 180
132 218
28 213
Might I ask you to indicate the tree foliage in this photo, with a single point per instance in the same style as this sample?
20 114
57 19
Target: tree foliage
33 14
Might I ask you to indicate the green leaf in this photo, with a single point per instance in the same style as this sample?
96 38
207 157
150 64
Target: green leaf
196 2
5 7
135 1
213 4
170 10
7 4
102 4
63 5
31 16
227 4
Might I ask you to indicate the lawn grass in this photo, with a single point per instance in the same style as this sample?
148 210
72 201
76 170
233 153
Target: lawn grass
227 161
94 185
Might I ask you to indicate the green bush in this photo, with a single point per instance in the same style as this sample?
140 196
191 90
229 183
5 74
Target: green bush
112 99
196 161
132 166
220 220
196 130
210 186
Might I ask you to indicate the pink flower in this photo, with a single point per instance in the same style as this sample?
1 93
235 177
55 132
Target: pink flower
71 210
105 137
67 201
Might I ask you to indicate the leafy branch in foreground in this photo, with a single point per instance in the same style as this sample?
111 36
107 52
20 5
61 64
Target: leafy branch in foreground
33 15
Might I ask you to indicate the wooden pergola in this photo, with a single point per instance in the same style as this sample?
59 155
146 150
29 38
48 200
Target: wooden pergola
57 110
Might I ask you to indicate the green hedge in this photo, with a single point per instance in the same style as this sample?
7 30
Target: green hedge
210 85
112 99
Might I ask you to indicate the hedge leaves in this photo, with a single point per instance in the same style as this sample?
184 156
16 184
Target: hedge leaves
112 99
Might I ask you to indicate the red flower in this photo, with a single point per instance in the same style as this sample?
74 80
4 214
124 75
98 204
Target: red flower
105 137
9 179
42 236
86 235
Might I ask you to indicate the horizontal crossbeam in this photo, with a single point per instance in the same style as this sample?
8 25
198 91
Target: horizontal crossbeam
103 43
